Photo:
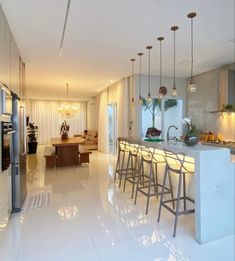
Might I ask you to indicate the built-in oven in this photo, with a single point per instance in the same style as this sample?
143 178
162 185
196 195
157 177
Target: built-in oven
7 131
6 101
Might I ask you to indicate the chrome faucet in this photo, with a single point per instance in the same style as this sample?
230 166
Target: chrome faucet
168 130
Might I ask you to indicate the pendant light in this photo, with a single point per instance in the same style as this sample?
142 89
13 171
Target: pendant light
149 98
67 109
192 86
162 89
174 93
132 81
140 101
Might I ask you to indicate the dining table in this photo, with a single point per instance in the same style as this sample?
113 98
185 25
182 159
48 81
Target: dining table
67 151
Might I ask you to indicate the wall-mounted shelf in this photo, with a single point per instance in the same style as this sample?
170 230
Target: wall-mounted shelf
221 111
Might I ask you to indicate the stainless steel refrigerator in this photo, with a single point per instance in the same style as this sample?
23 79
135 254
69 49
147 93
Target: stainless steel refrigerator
19 188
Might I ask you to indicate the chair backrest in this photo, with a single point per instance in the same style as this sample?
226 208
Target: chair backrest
178 162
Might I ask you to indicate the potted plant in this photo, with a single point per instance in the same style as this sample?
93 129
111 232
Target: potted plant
154 107
191 134
32 138
64 130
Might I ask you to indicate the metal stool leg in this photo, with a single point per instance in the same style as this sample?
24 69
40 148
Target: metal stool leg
139 178
117 165
177 204
120 177
127 167
162 193
149 187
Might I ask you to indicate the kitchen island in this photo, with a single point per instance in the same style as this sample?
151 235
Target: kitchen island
213 184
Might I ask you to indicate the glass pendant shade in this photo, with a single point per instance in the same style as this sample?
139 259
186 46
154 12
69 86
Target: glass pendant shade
162 89
192 88
174 93
140 101
67 109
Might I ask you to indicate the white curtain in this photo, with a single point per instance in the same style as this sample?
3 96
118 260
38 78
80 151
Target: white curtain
103 123
45 115
122 109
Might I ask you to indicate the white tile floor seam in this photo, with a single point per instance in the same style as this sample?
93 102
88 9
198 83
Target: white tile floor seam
90 219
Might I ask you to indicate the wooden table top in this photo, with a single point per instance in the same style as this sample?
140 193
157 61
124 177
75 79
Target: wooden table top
69 141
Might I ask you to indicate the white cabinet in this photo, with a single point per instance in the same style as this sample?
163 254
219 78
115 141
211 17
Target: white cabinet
2 48
14 84
9 57
5 196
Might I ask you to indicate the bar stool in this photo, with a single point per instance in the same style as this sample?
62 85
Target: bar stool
149 180
121 168
180 165
133 163
120 158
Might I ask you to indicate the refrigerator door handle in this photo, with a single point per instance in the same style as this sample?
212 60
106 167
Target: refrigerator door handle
23 130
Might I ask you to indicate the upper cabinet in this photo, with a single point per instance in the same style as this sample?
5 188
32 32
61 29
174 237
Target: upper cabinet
9 57
2 47
226 88
14 83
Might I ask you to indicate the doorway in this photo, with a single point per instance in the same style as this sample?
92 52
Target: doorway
112 127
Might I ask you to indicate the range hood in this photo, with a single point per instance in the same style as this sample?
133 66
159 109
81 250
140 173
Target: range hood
226 92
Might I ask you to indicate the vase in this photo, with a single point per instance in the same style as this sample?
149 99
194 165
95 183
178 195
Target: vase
191 140
64 136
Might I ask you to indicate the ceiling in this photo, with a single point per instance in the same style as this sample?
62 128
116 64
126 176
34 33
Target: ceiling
102 36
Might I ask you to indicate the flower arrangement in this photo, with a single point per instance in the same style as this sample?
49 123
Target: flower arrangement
190 137
190 128
64 130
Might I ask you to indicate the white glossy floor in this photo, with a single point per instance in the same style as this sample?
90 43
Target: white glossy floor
88 219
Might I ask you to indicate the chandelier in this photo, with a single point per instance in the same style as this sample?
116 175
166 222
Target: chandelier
67 109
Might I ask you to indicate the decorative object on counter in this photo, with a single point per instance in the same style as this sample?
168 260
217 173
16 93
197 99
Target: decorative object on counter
192 86
155 107
149 98
153 133
162 89
228 108
191 135
66 109
64 130
174 93
140 101
32 138
132 81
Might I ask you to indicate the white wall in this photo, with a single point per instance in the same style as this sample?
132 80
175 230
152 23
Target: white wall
206 99
92 114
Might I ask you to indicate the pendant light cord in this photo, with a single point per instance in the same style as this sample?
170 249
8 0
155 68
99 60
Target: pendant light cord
140 78
67 91
133 68
149 74
160 63
191 48
174 58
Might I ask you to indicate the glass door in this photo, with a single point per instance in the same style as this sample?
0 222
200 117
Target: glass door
112 127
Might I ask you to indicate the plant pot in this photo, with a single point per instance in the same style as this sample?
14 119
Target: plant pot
64 136
191 140
32 147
